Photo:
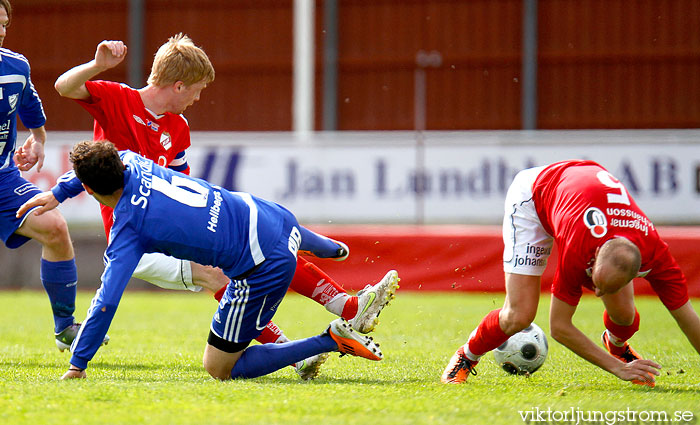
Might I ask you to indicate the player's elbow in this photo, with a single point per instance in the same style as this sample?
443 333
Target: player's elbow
559 331
60 86
65 89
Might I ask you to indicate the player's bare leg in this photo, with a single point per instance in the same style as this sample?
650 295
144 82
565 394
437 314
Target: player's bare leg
219 363
520 306
51 231
620 305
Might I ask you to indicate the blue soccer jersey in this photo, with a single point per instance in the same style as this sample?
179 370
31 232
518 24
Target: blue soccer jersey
161 210
17 96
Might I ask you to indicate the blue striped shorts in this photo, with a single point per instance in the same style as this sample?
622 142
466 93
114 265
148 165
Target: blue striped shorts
14 191
249 303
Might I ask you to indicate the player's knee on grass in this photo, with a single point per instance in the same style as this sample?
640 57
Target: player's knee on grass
220 356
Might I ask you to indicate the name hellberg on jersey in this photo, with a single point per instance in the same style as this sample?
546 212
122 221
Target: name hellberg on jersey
214 212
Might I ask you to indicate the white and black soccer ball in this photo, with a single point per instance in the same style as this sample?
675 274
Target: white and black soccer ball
524 352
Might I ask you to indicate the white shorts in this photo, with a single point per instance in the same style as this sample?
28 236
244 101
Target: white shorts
166 272
527 245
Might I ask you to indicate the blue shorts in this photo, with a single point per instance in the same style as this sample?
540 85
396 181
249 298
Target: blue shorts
250 302
14 191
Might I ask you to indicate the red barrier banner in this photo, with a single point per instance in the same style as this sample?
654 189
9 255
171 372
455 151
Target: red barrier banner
461 258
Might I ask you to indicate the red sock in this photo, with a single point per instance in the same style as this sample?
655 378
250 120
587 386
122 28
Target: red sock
350 308
270 334
622 333
312 282
488 335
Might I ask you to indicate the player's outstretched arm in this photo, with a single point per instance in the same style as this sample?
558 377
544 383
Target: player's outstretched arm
71 84
564 331
46 201
689 322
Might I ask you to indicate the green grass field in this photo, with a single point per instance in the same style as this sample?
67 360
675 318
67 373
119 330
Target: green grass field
151 371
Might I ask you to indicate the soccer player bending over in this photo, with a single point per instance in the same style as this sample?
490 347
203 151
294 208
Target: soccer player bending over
255 243
604 241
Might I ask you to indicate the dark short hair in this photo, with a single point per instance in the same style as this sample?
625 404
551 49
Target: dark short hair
8 8
97 165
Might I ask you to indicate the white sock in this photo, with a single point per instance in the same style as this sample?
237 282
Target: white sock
615 340
282 338
337 303
471 356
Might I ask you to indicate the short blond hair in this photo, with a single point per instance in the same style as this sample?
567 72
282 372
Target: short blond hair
180 60
619 259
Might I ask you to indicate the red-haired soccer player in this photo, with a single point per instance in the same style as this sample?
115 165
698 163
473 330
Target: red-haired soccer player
252 237
149 121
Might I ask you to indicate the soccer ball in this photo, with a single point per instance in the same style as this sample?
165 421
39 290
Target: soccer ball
524 352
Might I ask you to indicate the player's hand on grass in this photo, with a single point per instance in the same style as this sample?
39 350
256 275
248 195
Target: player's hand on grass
110 53
74 373
45 201
642 370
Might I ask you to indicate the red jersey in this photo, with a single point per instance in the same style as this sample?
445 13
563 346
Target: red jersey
582 206
122 118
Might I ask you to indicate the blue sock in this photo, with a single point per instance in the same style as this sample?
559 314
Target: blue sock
321 246
259 360
60 279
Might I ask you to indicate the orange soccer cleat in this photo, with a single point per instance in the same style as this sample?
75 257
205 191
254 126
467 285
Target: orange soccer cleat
625 354
351 342
459 368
